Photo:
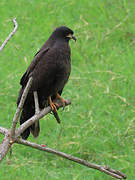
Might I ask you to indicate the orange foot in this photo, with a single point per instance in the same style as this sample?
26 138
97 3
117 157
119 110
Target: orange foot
61 99
52 105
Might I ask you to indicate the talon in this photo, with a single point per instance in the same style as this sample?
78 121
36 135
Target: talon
56 105
52 105
61 99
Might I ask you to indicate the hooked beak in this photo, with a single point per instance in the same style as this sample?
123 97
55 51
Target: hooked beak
71 37
74 38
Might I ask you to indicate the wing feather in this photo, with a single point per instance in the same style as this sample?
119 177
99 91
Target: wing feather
35 61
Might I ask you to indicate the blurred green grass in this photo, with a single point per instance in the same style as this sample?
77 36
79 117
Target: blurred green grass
99 125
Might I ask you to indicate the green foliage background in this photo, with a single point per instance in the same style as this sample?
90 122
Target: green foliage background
99 125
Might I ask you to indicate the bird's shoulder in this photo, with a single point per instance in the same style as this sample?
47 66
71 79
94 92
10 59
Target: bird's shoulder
48 55
34 62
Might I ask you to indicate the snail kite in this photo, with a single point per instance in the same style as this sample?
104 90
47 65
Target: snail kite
50 70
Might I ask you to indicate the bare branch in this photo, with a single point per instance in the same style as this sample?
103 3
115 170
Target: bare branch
19 108
36 117
10 35
4 146
3 130
106 170
37 110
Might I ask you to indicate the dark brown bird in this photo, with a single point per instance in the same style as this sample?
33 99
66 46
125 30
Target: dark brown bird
50 70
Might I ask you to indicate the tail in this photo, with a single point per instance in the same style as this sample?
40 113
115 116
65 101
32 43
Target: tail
56 116
27 112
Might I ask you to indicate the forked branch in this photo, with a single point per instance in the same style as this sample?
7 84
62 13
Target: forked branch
37 117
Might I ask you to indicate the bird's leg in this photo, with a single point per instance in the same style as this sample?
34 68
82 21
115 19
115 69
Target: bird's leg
52 105
61 99
54 109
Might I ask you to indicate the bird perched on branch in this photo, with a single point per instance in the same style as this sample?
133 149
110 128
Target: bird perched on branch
50 70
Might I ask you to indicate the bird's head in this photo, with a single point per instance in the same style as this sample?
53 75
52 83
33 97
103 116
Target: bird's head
64 33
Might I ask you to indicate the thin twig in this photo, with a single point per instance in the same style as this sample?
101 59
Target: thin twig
19 108
10 35
37 110
36 117
106 170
